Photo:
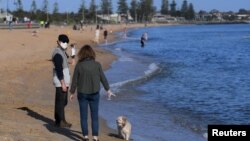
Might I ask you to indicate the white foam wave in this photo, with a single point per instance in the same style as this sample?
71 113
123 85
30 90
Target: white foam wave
126 59
152 70
118 49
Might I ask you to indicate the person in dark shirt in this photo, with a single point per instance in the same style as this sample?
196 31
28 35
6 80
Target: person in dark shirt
105 35
88 75
61 80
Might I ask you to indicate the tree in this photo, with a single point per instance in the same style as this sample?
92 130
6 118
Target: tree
134 9
33 7
184 9
56 8
164 7
106 7
173 8
45 10
93 10
243 11
45 6
33 10
81 10
190 12
55 14
19 5
122 7
19 9
146 10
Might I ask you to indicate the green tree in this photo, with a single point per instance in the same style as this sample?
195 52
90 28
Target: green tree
146 10
45 6
173 8
56 16
33 7
106 7
82 10
134 9
33 10
92 11
243 11
56 8
190 12
19 5
164 7
19 9
122 7
184 9
45 10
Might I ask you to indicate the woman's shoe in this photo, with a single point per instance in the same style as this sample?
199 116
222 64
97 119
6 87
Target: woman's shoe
86 139
95 140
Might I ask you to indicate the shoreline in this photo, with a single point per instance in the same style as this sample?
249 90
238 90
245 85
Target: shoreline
27 92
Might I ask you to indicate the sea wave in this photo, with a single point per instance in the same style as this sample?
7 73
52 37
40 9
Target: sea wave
153 69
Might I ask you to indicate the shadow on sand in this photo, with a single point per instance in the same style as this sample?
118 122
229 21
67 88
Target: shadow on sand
50 125
117 136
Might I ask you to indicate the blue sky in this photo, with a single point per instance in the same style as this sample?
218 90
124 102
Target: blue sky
73 5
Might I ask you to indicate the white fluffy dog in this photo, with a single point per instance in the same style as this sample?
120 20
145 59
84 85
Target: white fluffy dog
124 127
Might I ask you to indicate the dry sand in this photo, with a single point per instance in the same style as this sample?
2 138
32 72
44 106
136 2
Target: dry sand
26 89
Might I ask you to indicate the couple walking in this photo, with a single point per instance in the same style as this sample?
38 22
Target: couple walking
88 75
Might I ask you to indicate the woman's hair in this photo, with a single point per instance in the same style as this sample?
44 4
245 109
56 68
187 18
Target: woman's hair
86 52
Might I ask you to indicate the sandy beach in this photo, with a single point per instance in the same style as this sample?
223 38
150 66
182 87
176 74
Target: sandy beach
27 92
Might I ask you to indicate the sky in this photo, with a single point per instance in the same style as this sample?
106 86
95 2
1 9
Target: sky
73 5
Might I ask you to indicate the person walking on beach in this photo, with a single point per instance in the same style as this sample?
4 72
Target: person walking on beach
97 34
105 34
88 75
61 80
73 53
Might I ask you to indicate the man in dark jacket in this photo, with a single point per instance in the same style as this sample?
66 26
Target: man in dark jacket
61 80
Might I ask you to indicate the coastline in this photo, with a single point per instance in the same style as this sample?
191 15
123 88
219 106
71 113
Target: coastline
27 95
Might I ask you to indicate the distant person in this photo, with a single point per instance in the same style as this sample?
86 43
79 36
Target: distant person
88 75
42 24
125 32
61 80
142 41
144 38
34 33
97 34
47 24
81 25
9 21
145 35
73 53
105 35
29 24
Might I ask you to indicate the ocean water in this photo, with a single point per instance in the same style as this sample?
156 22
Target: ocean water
185 78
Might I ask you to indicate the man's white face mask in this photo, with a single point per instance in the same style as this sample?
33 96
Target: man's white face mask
64 45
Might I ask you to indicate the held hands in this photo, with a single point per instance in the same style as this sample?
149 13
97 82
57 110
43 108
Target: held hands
110 94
